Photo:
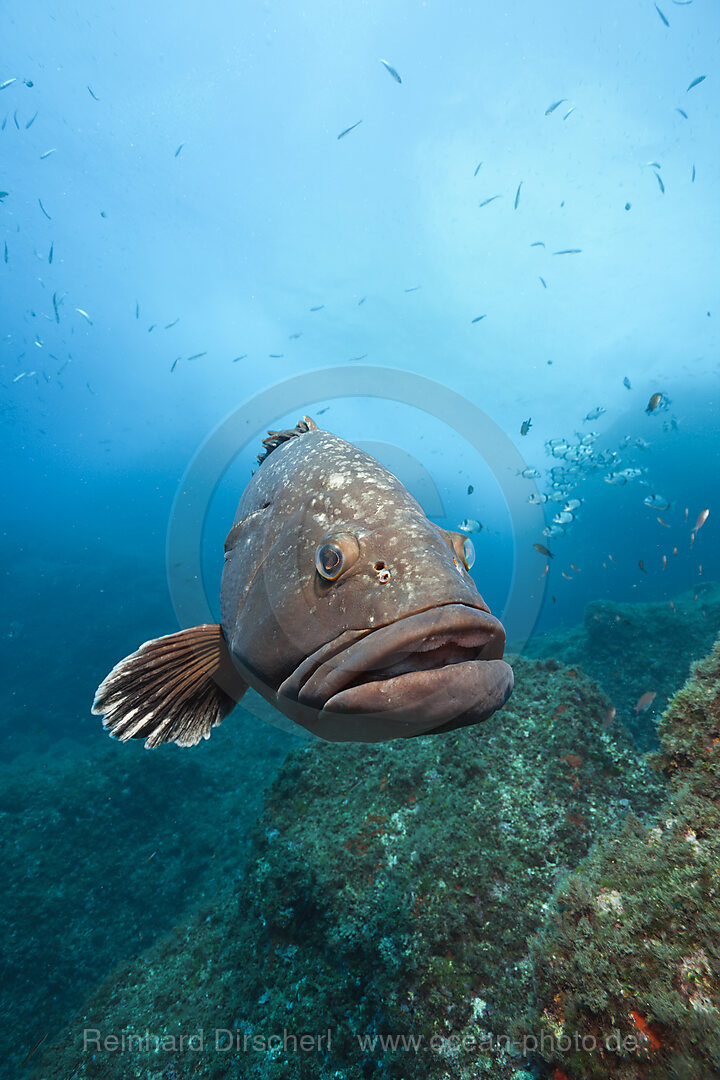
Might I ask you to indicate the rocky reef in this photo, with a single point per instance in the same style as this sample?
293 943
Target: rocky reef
103 848
630 962
386 908
636 649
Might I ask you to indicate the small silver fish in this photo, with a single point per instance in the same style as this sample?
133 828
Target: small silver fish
349 129
486 202
517 195
470 525
542 550
661 15
656 502
554 106
391 70
47 153
8 82
84 315
696 82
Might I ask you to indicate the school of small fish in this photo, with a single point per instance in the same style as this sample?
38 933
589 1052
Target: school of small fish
579 458
573 458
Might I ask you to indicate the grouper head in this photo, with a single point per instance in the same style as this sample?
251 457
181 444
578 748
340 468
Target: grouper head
346 607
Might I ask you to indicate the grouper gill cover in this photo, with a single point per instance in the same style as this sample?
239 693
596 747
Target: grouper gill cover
342 603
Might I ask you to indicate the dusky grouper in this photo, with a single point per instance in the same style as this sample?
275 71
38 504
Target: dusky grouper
341 603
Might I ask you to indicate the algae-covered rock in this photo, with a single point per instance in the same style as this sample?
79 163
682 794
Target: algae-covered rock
96 861
390 894
636 649
631 961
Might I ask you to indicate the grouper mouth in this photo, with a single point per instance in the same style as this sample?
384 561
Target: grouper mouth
431 671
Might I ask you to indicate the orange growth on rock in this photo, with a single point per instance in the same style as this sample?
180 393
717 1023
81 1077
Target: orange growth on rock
642 1025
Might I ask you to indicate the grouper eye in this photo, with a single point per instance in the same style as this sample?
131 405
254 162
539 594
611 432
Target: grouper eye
463 548
335 555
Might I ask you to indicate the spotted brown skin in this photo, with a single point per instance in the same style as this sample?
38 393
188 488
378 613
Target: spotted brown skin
394 642
342 604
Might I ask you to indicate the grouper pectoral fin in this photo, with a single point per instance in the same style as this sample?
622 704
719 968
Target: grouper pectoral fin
172 689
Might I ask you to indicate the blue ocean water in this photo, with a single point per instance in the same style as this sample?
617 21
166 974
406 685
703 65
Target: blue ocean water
193 229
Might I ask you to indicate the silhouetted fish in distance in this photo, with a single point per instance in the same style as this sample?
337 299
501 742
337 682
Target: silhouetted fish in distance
341 603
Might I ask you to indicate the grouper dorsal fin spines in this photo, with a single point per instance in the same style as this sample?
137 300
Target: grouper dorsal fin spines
276 438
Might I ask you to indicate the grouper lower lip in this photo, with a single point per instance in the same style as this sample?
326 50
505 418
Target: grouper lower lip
435 666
